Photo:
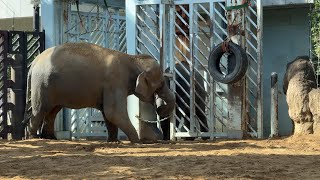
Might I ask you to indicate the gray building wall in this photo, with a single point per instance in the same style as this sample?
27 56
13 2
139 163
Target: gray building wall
286 35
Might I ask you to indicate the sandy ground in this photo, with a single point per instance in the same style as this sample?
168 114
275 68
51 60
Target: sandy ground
289 158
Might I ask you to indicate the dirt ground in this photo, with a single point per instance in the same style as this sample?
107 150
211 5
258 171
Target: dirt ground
287 158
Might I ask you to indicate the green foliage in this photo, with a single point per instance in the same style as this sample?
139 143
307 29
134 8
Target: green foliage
315 29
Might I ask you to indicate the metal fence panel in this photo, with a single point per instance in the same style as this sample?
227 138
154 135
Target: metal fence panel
105 27
187 32
29 45
3 85
254 101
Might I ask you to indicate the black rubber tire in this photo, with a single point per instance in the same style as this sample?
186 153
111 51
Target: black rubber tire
237 58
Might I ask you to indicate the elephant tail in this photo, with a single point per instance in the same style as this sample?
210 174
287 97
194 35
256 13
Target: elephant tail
28 95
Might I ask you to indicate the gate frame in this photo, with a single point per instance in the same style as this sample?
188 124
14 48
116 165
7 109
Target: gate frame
69 124
28 51
131 11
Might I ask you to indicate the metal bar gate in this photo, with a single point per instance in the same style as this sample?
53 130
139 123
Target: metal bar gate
180 35
102 26
28 45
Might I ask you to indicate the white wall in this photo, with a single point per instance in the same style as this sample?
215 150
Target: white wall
15 8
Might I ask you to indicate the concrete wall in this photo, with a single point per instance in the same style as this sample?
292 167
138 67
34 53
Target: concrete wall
17 24
286 35
285 2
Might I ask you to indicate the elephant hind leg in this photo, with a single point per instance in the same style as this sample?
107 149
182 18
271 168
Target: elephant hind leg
47 131
112 130
35 123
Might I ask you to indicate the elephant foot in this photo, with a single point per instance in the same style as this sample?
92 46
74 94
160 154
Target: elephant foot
48 136
116 140
33 136
304 128
148 141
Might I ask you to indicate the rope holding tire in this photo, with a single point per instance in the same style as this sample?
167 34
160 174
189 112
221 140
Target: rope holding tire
236 68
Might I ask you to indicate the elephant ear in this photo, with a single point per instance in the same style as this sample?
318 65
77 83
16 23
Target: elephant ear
142 87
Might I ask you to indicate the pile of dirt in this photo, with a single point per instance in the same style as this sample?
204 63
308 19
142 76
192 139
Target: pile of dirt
296 157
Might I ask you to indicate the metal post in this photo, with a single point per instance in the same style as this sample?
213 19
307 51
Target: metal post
117 29
274 105
235 90
212 88
192 73
17 96
172 66
260 69
36 19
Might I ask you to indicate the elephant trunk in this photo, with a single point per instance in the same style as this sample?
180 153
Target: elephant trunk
165 101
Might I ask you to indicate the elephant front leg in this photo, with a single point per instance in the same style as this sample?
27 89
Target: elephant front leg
115 110
112 130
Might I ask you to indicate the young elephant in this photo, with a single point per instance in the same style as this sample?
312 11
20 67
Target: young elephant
81 75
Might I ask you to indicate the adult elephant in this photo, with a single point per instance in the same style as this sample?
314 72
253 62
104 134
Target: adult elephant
183 99
81 75
298 81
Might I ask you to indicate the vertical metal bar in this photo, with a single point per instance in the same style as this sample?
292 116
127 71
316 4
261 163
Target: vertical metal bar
259 71
4 63
192 73
196 34
117 29
274 105
106 30
162 16
17 93
88 27
212 98
36 18
69 22
172 66
131 30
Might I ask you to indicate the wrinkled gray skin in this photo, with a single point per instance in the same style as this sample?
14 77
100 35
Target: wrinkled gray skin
81 75
299 64
300 79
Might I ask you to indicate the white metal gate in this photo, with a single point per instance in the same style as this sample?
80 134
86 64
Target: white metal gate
106 27
180 35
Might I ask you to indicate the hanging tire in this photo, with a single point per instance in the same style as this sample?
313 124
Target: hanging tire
237 63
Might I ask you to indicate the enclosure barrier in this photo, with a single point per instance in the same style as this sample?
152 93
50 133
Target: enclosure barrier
178 32
24 47
94 23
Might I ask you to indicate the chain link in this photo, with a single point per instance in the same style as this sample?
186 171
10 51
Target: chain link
149 121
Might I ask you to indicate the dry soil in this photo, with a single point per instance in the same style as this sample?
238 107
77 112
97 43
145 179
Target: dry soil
286 158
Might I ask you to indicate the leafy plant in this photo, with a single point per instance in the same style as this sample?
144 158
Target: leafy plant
315 32
315 29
